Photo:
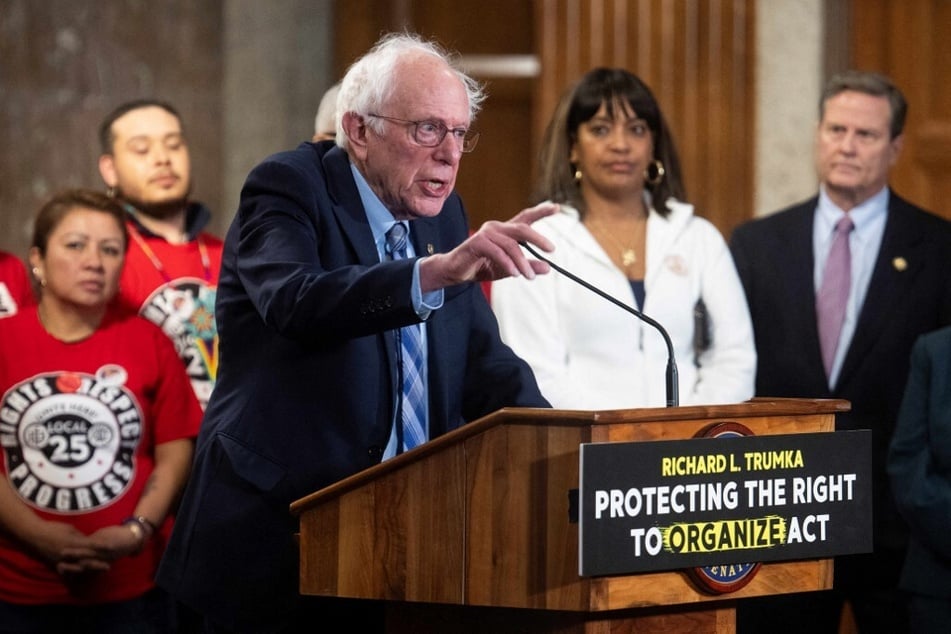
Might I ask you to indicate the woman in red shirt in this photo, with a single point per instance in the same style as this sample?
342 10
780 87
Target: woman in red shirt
97 426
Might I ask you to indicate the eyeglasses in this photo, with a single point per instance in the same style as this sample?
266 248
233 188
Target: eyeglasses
432 133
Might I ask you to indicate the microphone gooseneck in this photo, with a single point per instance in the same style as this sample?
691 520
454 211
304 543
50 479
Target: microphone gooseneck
673 384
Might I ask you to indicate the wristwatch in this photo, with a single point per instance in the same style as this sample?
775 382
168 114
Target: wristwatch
141 527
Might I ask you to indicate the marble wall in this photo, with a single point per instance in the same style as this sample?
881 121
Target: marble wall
789 69
246 77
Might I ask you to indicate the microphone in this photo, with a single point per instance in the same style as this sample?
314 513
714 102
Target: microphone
673 385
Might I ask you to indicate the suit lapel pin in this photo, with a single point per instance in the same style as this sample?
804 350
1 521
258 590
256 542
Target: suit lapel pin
429 248
900 264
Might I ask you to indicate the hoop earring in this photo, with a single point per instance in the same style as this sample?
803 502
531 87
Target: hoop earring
654 173
578 177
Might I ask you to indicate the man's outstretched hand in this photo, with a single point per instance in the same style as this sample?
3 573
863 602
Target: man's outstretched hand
491 253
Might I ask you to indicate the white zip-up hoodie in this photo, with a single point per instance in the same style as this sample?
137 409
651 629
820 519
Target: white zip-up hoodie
589 354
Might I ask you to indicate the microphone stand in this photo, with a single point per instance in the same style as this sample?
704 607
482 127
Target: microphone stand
673 385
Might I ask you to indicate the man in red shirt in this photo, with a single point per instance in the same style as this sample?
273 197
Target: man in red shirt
171 270
15 291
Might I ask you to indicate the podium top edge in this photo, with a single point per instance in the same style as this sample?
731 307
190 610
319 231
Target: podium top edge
754 408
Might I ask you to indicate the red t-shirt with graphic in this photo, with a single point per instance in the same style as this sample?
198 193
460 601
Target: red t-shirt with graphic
174 286
15 289
79 423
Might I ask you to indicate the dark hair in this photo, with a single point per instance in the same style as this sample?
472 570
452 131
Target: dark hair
62 203
107 139
868 83
608 87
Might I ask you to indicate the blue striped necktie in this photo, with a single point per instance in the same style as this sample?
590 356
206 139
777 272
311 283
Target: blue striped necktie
413 412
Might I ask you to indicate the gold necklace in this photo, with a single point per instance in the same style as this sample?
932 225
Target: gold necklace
628 253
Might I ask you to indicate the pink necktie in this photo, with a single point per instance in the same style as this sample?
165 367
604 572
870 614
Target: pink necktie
833 295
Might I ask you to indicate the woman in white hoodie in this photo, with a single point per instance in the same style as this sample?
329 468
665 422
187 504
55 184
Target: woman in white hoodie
610 161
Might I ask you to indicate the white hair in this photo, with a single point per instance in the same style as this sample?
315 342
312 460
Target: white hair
370 80
326 119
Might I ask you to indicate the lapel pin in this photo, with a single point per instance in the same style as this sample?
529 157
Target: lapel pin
900 264
430 249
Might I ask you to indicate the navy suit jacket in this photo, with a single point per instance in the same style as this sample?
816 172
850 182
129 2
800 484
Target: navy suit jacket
909 294
920 466
306 382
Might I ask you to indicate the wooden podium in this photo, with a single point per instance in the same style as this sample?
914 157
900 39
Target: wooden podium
471 532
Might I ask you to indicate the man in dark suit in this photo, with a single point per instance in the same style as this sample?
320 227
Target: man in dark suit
309 307
919 463
899 287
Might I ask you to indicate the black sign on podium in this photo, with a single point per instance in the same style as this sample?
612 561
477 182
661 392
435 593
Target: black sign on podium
671 504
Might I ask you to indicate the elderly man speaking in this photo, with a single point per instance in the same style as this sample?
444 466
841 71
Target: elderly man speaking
352 328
